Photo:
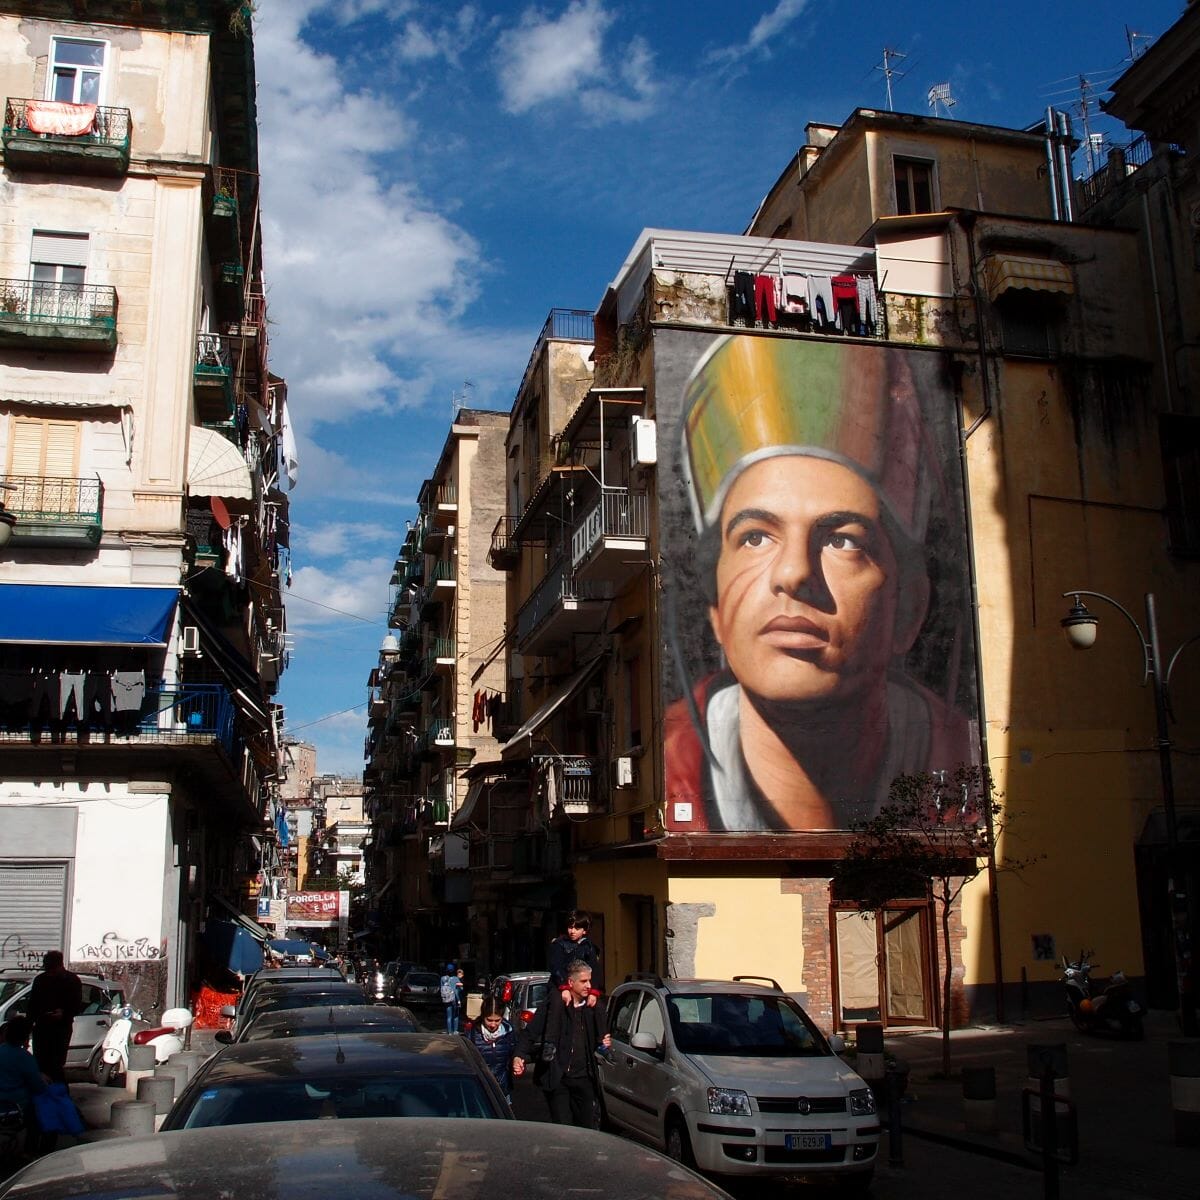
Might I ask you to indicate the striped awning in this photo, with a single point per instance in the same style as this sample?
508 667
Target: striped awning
1010 272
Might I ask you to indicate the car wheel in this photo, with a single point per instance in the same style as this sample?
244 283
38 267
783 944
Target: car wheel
679 1145
101 1073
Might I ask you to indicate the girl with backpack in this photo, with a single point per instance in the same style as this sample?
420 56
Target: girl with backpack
495 1040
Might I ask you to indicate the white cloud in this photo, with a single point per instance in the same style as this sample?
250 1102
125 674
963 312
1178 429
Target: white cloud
336 539
765 29
357 262
357 588
545 60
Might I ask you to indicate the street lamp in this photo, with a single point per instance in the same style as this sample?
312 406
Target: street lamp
1081 627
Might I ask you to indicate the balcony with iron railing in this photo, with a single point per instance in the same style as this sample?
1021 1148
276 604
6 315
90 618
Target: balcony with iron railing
439 658
612 539
224 216
57 316
53 510
436 809
445 497
49 135
562 324
440 582
437 735
561 606
212 379
1120 163
504 554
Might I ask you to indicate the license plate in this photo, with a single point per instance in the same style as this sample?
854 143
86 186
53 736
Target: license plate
807 1141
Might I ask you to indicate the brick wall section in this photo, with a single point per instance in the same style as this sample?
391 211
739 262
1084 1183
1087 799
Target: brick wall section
959 1006
814 934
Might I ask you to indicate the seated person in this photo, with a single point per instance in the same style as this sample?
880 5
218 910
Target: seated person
20 1079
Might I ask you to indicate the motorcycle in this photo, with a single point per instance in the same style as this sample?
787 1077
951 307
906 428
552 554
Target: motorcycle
110 1060
1113 1010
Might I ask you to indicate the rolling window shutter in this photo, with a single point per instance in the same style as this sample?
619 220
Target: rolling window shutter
62 249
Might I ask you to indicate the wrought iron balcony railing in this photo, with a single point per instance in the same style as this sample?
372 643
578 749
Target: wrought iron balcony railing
42 133
505 550
617 513
50 500
34 303
548 596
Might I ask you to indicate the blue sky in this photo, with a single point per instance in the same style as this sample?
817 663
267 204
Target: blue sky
436 177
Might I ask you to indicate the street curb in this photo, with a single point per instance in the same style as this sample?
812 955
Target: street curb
1012 1158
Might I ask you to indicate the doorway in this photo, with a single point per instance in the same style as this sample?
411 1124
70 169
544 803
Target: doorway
883 966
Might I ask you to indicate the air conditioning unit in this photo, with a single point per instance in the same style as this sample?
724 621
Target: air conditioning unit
623 771
190 641
643 442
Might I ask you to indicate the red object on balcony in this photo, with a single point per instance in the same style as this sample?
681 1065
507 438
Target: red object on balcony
56 117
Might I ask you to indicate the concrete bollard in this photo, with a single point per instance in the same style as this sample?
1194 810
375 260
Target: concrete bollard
159 1090
979 1099
141 1058
868 1039
132 1117
1183 1066
192 1059
179 1072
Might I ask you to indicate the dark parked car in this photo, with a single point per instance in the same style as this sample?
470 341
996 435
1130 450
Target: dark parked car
385 1159
418 989
297 994
278 975
339 1019
352 1075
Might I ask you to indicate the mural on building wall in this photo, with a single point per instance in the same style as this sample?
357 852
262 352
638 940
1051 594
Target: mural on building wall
816 614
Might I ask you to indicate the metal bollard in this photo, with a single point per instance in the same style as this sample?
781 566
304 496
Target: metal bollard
1183 1066
895 1127
868 1041
132 1117
159 1090
979 1099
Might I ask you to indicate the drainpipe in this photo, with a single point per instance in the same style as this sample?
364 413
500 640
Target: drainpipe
1158 305
967 221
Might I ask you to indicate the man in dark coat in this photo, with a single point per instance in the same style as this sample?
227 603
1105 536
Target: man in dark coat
576 945
55 999
569 1035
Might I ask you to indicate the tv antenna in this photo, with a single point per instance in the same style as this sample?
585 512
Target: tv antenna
940 94
459 398
888 71
1133 38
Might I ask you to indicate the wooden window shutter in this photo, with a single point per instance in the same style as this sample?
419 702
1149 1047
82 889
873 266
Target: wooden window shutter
44 447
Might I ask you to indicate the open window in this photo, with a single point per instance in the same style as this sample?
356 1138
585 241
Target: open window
76 73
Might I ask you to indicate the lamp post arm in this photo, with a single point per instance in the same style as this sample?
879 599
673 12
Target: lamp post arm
1175 657
1147 662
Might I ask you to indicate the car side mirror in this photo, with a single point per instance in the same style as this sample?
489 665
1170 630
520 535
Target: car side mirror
224 1037
837 1043
228 1010
645 1041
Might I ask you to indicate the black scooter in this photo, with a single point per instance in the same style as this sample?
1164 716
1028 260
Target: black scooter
1113 1010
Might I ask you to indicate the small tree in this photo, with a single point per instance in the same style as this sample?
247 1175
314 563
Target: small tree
938 830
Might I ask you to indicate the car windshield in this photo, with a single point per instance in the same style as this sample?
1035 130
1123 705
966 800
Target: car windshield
299 998
10 987
268 1030
744 1025
292 1099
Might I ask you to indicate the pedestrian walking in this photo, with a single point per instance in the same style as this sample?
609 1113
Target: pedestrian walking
576 945
496 1041
55 999
561 1042
450 990
462 999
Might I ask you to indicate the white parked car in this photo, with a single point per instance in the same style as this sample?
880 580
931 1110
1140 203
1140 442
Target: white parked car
734 1078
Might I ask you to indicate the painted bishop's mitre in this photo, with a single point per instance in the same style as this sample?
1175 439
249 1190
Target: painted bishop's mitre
752 398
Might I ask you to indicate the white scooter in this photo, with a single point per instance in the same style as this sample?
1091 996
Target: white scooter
110 1060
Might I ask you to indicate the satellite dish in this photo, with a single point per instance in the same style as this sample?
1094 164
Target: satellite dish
220 512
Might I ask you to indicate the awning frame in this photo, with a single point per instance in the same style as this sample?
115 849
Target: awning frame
240 917
571 688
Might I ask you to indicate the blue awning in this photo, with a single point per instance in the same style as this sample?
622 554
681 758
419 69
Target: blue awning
53 615
232 947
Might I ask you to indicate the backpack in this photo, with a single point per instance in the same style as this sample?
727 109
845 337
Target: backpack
449 989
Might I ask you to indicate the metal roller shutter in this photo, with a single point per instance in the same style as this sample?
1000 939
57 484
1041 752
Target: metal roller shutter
33 908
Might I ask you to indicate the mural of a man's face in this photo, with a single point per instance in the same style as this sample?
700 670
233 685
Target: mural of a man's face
807 583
